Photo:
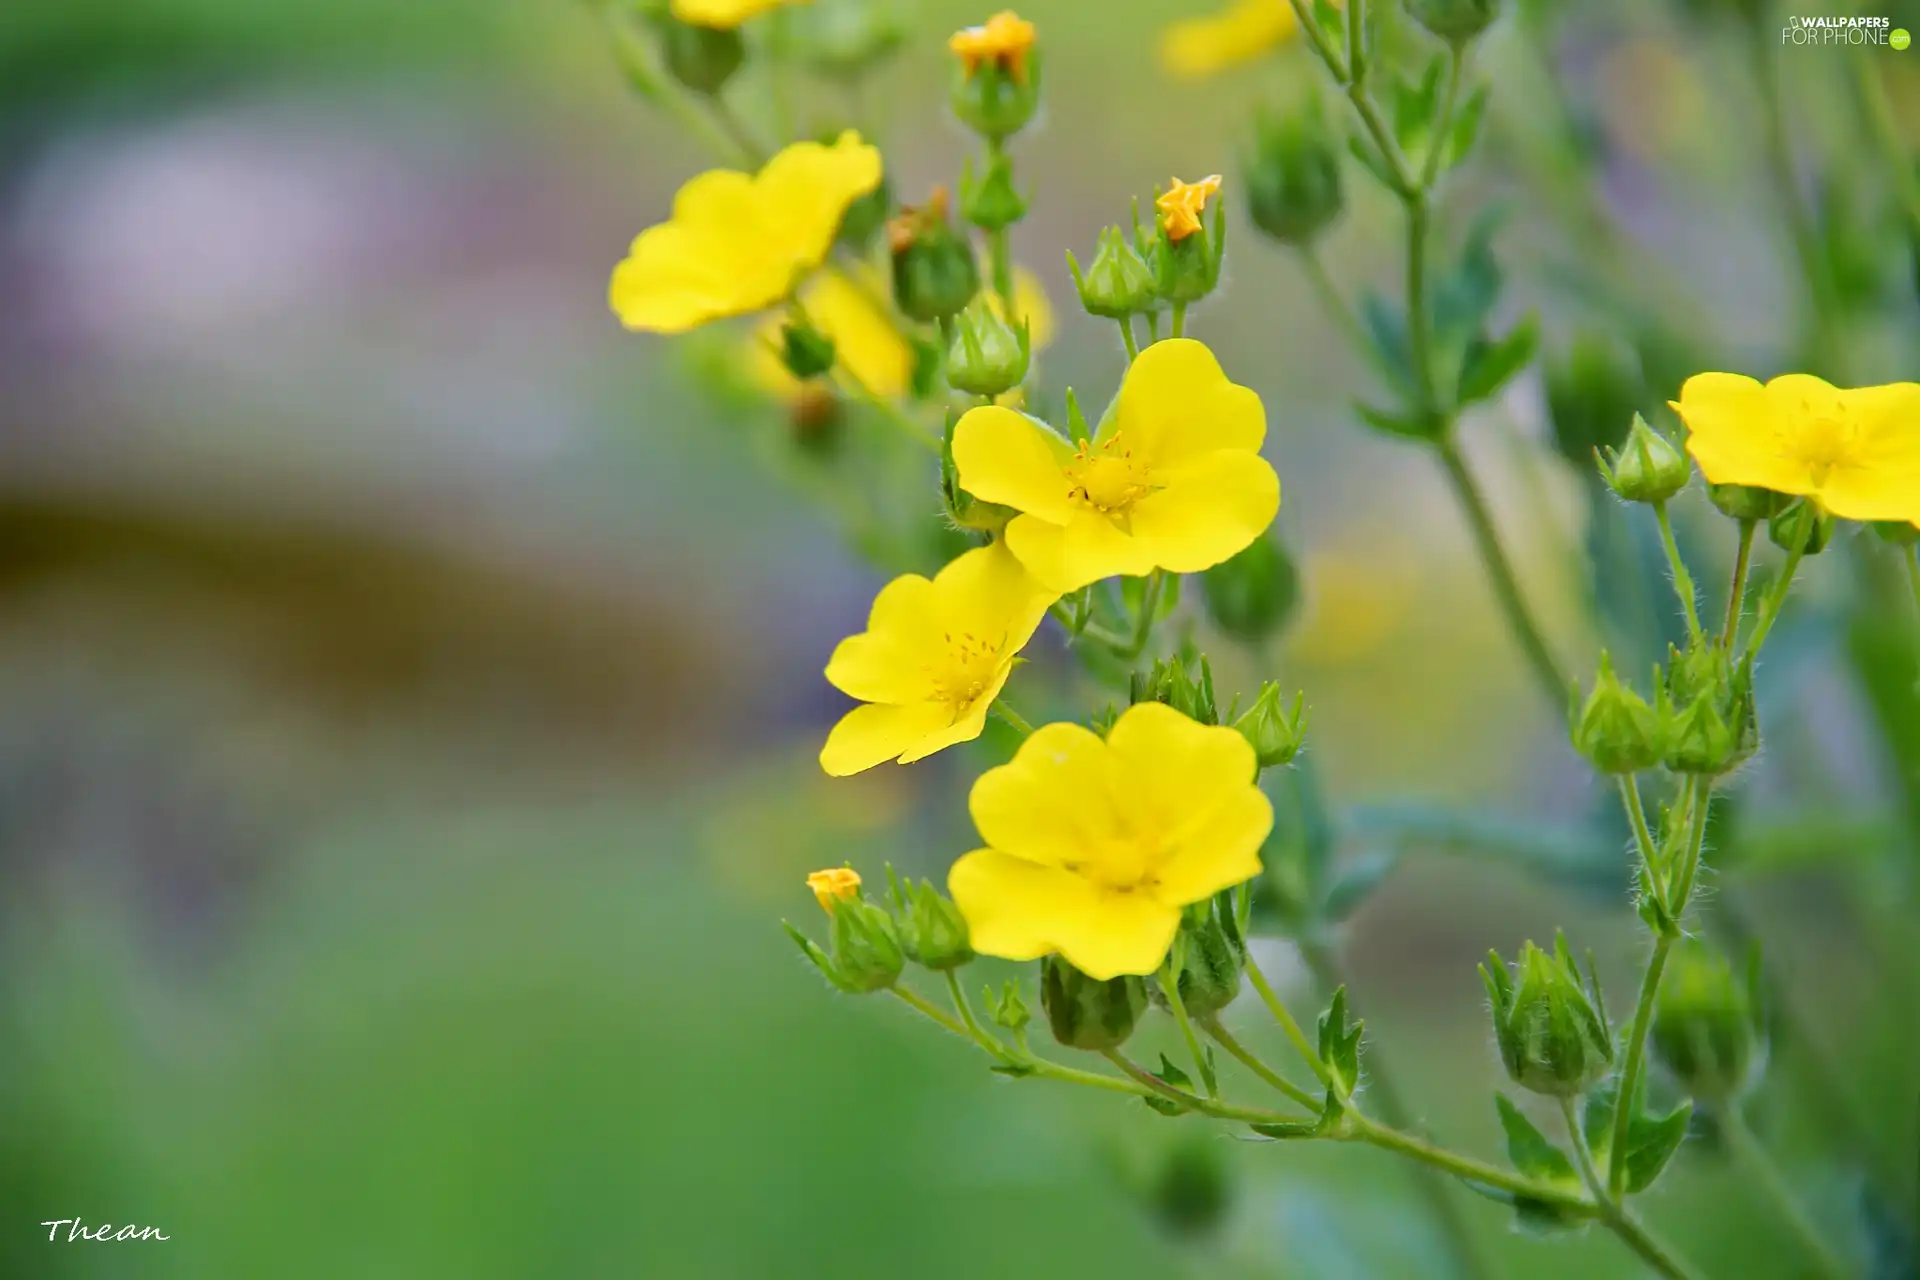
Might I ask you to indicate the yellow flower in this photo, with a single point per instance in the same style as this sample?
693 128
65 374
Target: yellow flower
1093 846
724 15
737 242
1003 41
933 658
866 339
1183 203
1245 31
1172 480
1855 452
833 885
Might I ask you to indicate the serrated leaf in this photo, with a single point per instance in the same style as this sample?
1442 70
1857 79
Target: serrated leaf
1174 1075
1356 882
1530 1150
1651 1142
1490 367
1287 1130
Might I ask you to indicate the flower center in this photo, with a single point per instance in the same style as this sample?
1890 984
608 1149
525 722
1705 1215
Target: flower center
1106 478
1823 445
971 665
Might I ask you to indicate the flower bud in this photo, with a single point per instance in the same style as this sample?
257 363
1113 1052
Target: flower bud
1647 468
1212 956
990 202
934 273
1455 21
996 84
1007 1009
987 356
1711 726
1744 502
1292 176
1250 596
1802 526
1086 1013
1275 733
865 953
1592 396
845 39
1171 682
702 59
805 351
1186 253
1119 284
1552 1038
1706 1028
931 929
1897 533
1617 730
1192 1191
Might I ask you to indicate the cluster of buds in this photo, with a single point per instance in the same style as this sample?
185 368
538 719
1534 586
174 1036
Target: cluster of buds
1275 731
869 944
1549 1021
1702 719
1175 264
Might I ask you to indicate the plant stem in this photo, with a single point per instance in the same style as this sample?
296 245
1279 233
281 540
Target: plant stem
1170 987
1754 1158
1737 593
735 128
1437 144
1206 1106
1333 303
1179 328
1470 1260
964 1007
1300 1043
1696 840
1506 585
1389 1139
1642 834
1775 600
1631 1233
1013 718
1143 622
1126 336
1419 320
1636 1062
1682 580
920 1004
1913 573
1225 1039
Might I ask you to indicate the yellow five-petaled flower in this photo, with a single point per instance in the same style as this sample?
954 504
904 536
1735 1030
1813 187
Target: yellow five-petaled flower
1182 205
933 658
1855 452
1003 41
1094 846
1243 31
1173 480
737 242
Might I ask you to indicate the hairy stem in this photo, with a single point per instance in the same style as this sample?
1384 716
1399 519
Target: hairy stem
1737 592
1682 580
1301 1044
1614 1214
1226 1040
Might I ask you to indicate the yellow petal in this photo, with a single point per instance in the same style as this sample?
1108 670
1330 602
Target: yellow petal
1737 435
1020 910
989 593
1208 511
1241 33
1086 549
1171 770
724 15
1219 851
887 662
806 189
1880 480
965 727
1052 801
871 735
1177 405
1009 458
866 341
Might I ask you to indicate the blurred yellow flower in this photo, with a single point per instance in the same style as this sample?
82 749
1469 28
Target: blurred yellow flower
737 242
1855 452
1182 205
1094 846
1243 31
933 658
867 341
833 885
724 15
1003 41
1172 480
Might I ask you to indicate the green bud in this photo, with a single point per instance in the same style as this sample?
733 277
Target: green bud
702 59
1455 21
1086 1013
1617 730
1802 526
1592 396
1188 269
865 217
805 351
1171 682
1647 468
932 931
1192 1191
996 98
1252 595
987 356
991 203
1706 1028
934 272
1744 502
1007 1009
1119 283
866 950
845 39
1700 740
1292 176
1275 733
1707 708
1896 533
1212 956
1552 1038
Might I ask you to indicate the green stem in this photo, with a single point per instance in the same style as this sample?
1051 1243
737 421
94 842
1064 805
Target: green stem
1226 1040
1335 304
1300 1042
1636 1063
1170 987
1696 841
1143 622
1682 580
1388 1139
1913 573
1737 593
964 1007
1506 585
1775 601
925 1007
1040 1067
1419 320
1443 124
1013 718
1179 327
736 129
1622 1224
1126 336
1193 1101
1643 834
1754 1158
1442 1200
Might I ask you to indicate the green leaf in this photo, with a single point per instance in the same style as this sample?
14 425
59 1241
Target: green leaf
1490 366
1415 104
1018 1070
1284 1130
1530 1150
1331 20
1174 1075
1386 329
1340 1043
1412 425
1651 1142
1465 129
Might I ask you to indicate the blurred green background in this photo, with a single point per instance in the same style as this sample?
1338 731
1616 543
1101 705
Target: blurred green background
409 682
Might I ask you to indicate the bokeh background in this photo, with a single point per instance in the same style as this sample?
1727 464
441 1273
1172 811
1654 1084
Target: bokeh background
409 681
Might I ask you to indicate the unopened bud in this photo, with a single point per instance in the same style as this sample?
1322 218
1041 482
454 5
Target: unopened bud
987 356
1275 732
702 59
1706 1026
1192 1191
1187 690
1212 956
865 953
1593 393
1552 1038
805 351
934 272
1086 1013
1647 467
1119 284
1803 527
1455 21
845 39
1292 176
1897 533
1617 730
1007 1008
1252 595
1744 502
932 931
